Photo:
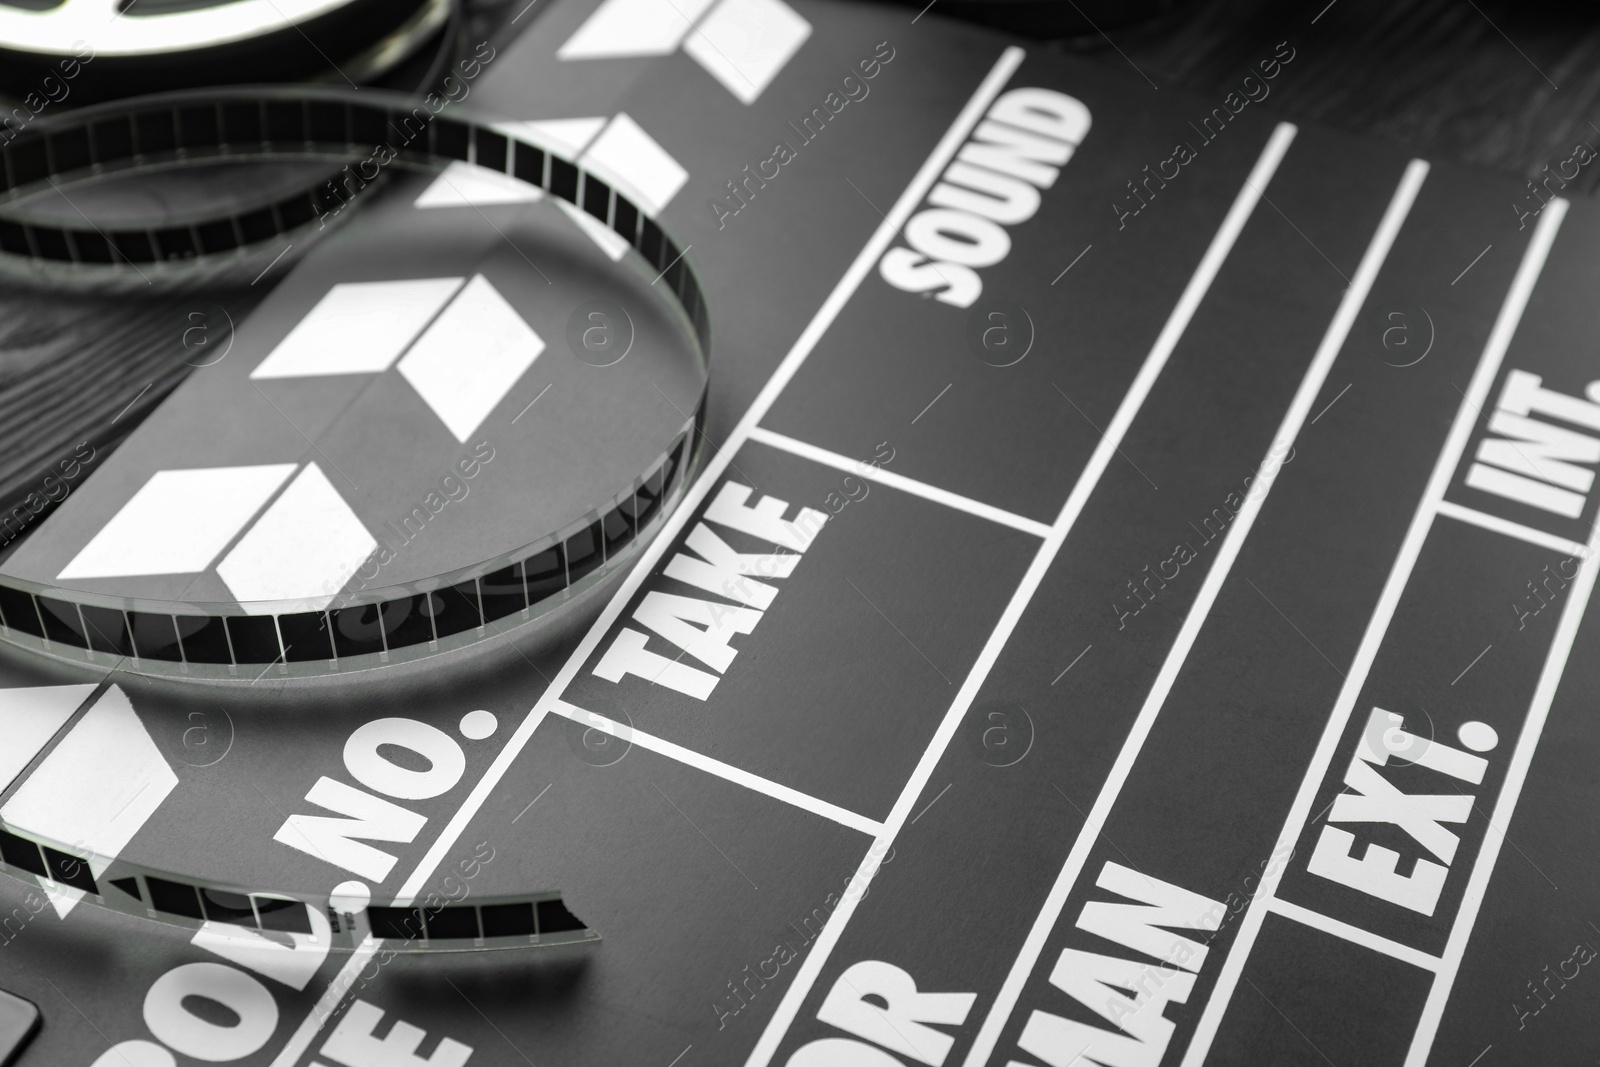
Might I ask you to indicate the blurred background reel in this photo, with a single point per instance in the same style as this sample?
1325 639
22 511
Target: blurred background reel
60 382
126 47
56 55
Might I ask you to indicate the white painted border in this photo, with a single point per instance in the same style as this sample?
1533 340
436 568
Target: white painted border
899 481
718 769
1512 529
1318 921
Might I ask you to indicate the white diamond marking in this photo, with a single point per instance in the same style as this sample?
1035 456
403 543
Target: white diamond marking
177 522
303 549
357 328
470 357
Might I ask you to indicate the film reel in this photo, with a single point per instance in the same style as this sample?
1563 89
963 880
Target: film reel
616 458
439 921
100 49
45 69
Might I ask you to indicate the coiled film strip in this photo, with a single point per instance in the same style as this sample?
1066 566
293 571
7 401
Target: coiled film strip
400 622
440 921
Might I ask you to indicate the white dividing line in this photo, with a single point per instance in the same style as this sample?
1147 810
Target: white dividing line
718 769
1433 495
1318 921
1143 382
1513 529
865 260
1293 419
899 481
1516 774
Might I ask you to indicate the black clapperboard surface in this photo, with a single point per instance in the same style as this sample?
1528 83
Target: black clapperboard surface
1132 607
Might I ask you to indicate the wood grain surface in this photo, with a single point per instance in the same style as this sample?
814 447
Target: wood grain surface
1508 86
